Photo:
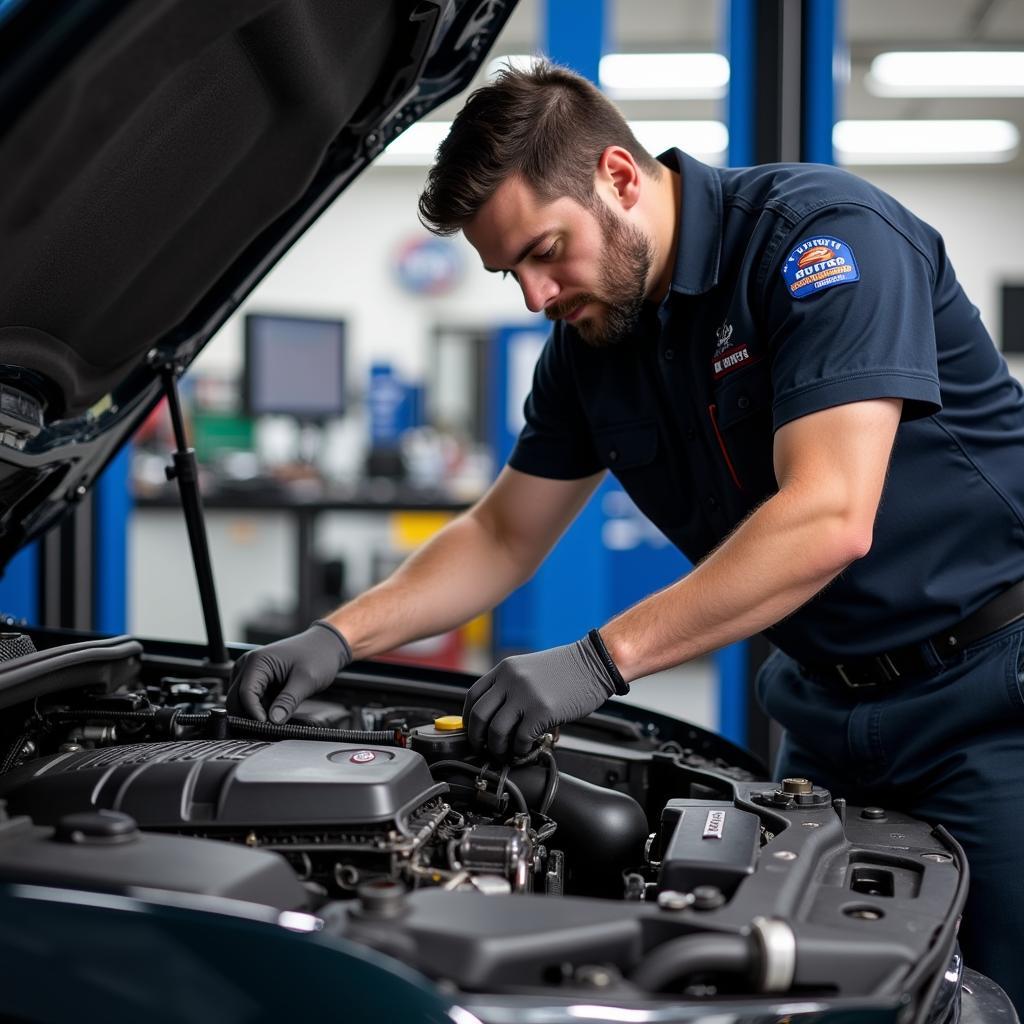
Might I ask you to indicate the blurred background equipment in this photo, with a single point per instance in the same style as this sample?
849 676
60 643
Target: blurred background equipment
294 366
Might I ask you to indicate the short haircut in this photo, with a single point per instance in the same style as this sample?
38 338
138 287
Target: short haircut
546 124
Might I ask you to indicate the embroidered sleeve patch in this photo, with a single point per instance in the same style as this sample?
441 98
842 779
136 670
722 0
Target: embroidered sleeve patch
819 263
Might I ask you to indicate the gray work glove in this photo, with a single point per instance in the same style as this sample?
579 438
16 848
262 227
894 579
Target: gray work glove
525 696
287 672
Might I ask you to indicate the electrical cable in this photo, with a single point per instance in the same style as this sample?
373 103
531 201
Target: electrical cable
551 787
464 766
499 788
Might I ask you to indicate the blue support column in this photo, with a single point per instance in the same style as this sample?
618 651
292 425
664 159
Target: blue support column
731 663
571 594
821 62
741 46
747 101
110 580
574 34
19 587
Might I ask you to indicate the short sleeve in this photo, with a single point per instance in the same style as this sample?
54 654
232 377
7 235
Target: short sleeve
849 314
556 439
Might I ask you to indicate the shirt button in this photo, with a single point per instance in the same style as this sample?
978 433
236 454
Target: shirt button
743 402
613 454
691 434
670 354
712 502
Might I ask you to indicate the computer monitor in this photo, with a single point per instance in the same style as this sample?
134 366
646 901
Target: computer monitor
294 366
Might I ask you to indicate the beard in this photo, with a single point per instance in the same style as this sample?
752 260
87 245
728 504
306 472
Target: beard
624 268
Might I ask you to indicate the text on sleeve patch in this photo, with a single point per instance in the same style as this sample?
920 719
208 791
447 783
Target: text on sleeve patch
819 263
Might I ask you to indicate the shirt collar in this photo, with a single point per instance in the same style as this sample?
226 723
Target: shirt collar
699 248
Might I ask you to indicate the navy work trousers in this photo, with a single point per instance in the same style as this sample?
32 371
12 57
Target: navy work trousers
948 749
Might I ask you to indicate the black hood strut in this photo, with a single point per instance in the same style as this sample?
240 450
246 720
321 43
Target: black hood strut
185 470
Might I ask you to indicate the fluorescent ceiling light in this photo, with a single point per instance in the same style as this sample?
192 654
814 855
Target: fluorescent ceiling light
649 76
925 142
952 73
672 76
706 140
416 146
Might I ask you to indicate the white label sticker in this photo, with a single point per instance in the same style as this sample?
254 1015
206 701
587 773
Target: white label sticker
715 825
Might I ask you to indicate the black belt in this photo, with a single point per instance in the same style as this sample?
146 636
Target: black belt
890 666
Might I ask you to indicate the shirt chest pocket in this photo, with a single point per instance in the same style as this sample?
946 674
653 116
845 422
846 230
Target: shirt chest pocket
740 414
639 459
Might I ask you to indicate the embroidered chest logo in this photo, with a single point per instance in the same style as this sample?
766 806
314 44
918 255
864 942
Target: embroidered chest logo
728 355
819 263
723 335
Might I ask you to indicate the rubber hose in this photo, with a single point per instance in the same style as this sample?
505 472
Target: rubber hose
463 766
551 789
696 954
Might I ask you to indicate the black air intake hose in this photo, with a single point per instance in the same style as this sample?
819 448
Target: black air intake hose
601 831
686 957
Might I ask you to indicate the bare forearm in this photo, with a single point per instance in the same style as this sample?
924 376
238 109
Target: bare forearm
779 558
455 576
831 468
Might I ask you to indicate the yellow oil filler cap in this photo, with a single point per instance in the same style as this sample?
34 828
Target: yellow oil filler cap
448 723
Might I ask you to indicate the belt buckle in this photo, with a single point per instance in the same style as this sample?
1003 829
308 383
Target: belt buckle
885 665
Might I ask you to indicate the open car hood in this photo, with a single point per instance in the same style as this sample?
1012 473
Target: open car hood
157 158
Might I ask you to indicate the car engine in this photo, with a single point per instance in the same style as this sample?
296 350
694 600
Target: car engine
634 855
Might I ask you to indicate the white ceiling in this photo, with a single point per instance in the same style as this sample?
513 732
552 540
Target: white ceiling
640 25
877 25
871 27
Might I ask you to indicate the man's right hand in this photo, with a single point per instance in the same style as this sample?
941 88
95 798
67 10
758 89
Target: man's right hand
283 674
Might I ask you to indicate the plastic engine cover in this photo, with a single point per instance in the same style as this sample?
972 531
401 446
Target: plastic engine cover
709 842
225 783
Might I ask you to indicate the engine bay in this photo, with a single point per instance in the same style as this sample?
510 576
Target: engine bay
631 857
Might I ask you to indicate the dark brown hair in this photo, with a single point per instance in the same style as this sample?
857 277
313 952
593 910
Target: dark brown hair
547 124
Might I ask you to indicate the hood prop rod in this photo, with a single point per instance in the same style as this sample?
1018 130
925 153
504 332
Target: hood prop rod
185 470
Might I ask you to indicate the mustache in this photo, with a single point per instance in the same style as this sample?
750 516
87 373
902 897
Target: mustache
564 309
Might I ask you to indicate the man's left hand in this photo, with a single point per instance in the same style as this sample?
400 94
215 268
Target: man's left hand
527 695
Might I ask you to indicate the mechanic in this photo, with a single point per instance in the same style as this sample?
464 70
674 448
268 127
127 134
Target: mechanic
781 369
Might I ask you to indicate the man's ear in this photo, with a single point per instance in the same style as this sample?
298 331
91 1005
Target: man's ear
618 177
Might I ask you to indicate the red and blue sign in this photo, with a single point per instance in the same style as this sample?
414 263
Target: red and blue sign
428 266
819 263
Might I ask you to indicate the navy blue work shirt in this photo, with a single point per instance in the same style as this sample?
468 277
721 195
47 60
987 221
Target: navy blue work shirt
797 288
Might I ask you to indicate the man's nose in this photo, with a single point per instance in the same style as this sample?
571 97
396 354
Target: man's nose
538 290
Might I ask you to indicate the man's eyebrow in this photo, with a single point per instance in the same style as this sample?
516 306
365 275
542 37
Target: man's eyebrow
524 252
